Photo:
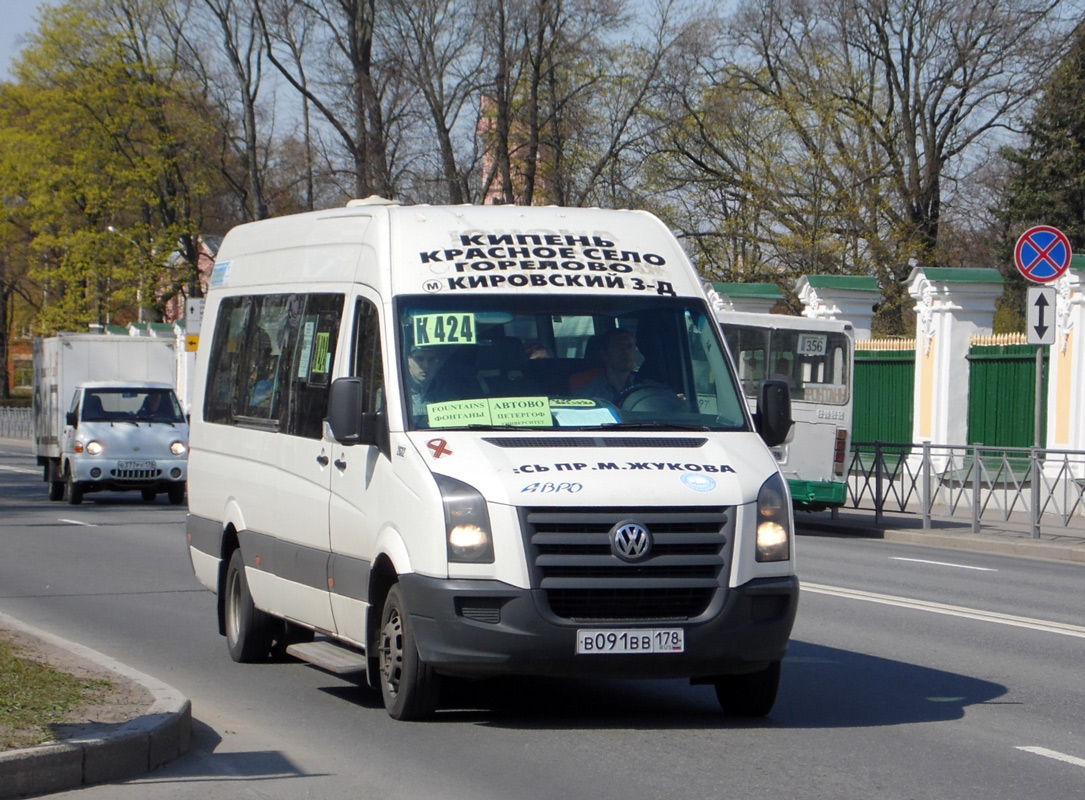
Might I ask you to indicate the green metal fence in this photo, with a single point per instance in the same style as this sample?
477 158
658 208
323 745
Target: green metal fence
884 388
1002 395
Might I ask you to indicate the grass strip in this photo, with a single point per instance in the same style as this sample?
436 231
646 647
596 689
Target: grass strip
35 696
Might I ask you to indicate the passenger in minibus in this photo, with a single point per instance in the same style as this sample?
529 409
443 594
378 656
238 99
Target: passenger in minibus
422 365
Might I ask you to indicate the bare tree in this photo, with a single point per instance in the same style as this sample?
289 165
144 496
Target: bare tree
570 94
865 115
234 25
349 95
436 46
923 80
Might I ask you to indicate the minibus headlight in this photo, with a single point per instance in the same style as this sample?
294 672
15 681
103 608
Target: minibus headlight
94 448
178 448
467 523
773 521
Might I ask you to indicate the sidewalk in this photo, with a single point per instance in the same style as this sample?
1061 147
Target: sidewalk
1010 537
98 752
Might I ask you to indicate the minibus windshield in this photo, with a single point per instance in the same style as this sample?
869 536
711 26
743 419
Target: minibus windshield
538 361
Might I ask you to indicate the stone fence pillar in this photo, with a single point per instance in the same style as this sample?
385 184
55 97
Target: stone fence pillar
850 298
952 305
757 298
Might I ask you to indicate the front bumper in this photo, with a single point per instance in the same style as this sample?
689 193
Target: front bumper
111 474
471 628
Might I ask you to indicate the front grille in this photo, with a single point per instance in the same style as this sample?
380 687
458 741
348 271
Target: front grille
583 580
135 474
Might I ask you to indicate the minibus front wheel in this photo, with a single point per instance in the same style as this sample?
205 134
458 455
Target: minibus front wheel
410 687
249 631
751 694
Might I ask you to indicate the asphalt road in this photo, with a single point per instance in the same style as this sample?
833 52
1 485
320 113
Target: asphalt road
913 673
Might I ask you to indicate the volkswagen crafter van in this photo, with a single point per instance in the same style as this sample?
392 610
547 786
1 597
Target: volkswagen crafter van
467 441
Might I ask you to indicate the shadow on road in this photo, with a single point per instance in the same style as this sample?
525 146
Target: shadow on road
821 687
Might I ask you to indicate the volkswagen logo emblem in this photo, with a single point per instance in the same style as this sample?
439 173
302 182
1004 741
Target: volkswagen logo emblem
630 541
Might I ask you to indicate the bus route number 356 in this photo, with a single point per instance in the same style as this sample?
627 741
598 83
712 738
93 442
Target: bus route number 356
639 640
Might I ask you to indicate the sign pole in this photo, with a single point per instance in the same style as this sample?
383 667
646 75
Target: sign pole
1042 255
1039 394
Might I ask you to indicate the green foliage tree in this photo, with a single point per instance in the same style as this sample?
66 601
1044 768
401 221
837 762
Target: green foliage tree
1047 175
17 291
1047 183
110 136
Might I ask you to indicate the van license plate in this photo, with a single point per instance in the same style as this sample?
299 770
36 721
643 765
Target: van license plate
636 640
135 465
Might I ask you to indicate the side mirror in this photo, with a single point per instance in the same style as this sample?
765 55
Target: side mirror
773 418
349 423
70 418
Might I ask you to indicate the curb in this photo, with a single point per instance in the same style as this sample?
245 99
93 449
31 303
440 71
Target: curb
1068 548
134 748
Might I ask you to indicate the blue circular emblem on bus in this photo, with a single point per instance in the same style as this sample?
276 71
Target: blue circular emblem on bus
698 482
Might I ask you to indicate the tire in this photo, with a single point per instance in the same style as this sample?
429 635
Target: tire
249 631
410 687
177 494
73 489
749 695
56 490
148 495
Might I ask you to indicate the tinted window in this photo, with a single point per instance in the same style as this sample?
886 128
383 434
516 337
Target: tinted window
366 362
222 376
271 361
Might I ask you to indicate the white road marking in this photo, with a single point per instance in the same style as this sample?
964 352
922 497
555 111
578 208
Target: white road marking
1055 754
954 611
79 522
20 470
942 564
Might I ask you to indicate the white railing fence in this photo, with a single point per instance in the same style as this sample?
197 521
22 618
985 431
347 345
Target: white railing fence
16 423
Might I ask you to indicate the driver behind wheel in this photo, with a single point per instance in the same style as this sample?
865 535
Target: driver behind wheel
619 348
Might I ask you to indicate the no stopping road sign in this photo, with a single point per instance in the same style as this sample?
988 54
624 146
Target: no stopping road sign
1042 254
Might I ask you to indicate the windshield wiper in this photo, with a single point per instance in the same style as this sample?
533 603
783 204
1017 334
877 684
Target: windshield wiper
657 426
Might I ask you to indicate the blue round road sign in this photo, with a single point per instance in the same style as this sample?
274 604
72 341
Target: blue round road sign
1042 253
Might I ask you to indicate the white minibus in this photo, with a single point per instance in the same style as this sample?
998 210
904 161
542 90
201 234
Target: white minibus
438 442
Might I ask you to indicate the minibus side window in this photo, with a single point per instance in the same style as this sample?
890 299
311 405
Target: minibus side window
366 361
265 375
222 374
310 375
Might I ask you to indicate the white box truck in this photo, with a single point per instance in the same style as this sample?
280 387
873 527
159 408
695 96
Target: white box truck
476 440
106 417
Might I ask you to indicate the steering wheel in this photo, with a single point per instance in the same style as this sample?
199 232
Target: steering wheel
649 397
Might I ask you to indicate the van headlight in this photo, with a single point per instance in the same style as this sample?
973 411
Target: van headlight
467 523
94 447
178 448
773 521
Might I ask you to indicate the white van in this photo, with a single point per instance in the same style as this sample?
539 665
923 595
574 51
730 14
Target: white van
468 441
123 436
